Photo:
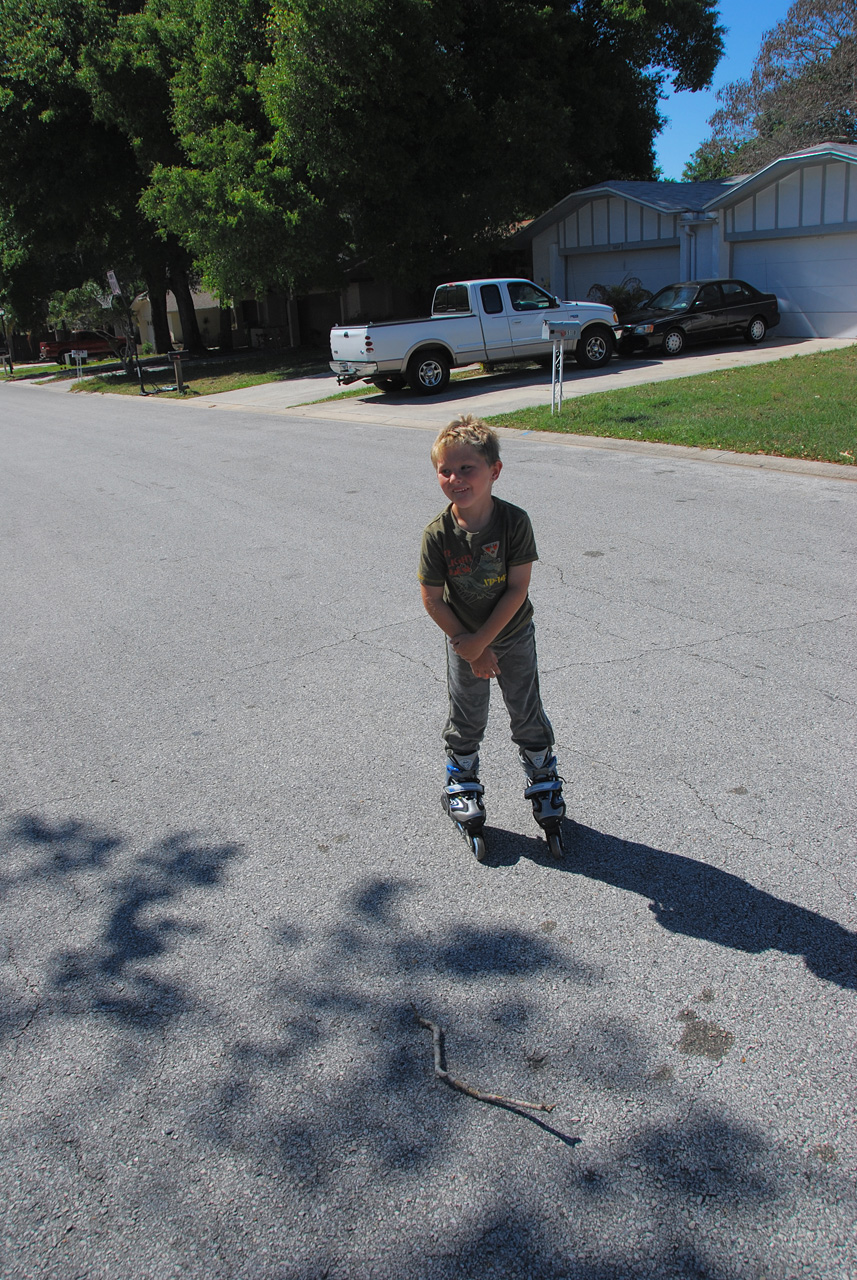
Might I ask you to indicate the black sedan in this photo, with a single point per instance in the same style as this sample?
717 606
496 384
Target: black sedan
698 311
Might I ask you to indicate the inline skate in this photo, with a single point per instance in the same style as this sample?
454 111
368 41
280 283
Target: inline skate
545 794
462 800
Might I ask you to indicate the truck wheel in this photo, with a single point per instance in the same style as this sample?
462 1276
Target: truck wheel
391 383
428 372
595 347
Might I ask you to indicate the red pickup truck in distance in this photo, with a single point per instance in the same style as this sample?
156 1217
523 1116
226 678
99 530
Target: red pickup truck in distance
94 344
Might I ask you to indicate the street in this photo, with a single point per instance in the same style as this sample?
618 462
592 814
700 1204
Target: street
229 888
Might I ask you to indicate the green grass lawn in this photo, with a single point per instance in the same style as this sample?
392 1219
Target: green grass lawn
212 375
46 369
801 407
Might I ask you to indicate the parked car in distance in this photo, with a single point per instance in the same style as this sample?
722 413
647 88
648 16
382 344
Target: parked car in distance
94 344
698 311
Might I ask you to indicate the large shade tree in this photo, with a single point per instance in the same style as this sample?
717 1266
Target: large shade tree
410 132
279 142
60 178
802 90
79 123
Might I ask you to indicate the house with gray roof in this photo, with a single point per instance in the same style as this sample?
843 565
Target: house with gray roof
790 229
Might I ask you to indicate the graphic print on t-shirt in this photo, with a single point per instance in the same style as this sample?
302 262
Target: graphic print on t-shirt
477 577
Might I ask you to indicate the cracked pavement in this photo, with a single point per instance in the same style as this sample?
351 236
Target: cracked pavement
227 884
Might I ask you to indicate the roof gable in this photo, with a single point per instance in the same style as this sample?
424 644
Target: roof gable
747 186
663 197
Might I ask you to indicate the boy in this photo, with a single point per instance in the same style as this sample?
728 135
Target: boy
474 575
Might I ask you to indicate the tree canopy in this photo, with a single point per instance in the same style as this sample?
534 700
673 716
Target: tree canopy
802 91
414 132
282 142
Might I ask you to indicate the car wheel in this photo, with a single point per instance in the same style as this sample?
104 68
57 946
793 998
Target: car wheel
392 383
428 372
674 341
756 330
595 347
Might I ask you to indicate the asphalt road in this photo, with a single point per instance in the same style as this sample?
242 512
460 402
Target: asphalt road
228 885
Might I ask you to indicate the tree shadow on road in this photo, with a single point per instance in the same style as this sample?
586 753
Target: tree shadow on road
348 1084
112 974
694 898
296 1091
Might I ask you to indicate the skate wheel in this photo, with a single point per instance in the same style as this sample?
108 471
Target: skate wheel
555 844
477 844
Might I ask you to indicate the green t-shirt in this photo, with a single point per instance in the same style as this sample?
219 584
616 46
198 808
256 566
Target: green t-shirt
472 567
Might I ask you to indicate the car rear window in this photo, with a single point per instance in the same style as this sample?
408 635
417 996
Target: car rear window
451 298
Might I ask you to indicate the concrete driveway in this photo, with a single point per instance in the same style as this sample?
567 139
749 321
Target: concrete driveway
497 393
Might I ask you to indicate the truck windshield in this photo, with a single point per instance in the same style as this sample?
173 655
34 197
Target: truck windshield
451 298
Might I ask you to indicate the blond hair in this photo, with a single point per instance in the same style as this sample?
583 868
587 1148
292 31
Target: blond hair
468 429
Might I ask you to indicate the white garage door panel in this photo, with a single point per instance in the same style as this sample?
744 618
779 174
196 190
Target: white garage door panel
655 267
815 279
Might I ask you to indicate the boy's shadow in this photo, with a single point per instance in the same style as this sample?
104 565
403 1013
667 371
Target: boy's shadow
693 898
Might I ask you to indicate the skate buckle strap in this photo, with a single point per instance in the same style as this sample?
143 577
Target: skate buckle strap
464 788
536 788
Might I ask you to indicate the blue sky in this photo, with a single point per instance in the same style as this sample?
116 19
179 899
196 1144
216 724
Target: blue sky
746 22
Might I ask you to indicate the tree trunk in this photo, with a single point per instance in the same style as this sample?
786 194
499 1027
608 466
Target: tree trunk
225 337
156 287
190 328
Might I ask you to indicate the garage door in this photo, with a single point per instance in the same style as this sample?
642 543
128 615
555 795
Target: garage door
655 267
814 277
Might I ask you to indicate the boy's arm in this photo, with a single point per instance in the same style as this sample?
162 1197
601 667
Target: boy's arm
439 611
485 663
469 645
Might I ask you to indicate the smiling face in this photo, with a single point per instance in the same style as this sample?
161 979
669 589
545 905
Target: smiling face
466 480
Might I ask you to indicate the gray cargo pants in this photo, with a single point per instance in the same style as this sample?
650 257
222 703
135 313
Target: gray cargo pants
519 684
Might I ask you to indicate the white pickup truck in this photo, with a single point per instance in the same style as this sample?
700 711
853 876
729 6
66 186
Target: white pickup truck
472 321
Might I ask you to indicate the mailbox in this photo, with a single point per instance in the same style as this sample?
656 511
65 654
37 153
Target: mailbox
560 330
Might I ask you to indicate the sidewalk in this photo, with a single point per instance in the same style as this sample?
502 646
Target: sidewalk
488 394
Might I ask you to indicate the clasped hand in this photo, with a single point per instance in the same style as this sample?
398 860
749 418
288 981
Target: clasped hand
482 658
